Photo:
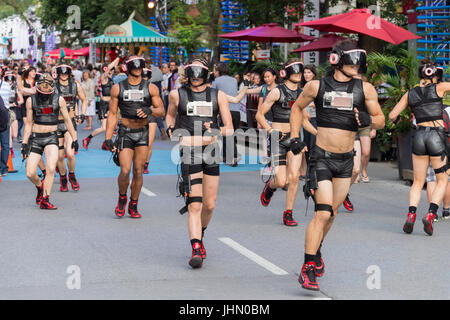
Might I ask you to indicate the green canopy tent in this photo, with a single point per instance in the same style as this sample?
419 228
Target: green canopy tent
130 34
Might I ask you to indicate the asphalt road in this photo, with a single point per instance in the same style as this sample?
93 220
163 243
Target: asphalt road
82 251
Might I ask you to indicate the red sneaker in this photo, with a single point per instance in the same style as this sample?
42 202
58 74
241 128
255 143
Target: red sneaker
40 192
74 182
348 204
267 194
320 268
104 146
133 210
428 221
63 187
46 205
203 251
196 260
120 209
86 143
288 220
409 224
307 277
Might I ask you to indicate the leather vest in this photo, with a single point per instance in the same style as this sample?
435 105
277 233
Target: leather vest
425 103
281 110
132 98
45 109
196 108
348 94
69 93
106 89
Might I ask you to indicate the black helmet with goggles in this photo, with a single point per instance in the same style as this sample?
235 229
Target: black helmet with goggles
135 63
197 71
63 69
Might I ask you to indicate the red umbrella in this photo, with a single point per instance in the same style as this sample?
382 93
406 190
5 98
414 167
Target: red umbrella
84 52
270 32
58 53
362 21
325 43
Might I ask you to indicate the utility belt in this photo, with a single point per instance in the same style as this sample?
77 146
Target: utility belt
319 153
124 130
442 129
42 135
311 183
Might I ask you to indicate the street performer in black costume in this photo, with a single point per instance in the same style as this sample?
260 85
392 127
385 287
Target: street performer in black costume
71 90
41 137
136 99
338 100
285 164
192 116
430 141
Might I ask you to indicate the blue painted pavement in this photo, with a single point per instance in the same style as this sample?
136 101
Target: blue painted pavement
96 163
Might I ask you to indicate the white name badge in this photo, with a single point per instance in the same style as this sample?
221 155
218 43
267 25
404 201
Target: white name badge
338 100
199 109
133 95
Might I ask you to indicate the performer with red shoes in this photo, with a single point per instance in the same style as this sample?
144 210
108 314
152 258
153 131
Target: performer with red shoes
430 142
41 137
71 90
136 99
337 100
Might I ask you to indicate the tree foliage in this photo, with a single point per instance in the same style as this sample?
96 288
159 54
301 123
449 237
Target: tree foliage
280 11
10 7
95 15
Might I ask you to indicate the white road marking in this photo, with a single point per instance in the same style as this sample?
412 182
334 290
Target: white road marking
322 299
254 257
147 192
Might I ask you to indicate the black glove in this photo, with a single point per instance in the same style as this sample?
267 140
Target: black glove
75 145
246 83
25 150
147 110
169 131
81 117
364 118
109 144
297 146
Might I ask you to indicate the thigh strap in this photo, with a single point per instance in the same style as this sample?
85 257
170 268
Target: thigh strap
441 169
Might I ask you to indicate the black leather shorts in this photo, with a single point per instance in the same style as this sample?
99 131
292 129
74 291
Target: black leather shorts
102 110
429 141
204 159
38 141
132 138
279 149
62 128
329 165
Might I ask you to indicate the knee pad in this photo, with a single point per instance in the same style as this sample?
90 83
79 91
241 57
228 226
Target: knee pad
324 207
